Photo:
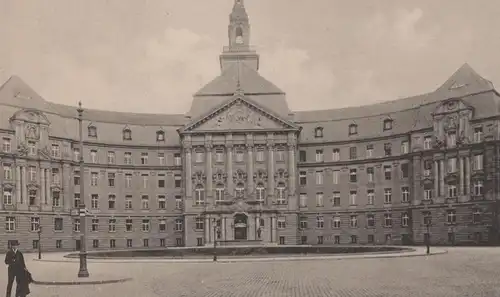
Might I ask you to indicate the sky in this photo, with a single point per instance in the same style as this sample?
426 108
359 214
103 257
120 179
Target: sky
151 56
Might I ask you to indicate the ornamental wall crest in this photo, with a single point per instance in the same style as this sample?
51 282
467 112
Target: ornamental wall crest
239 176
451 123
281 174
32 132
219 177
199 177
44 153
260 175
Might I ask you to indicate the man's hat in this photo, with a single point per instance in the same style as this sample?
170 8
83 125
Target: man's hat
14 243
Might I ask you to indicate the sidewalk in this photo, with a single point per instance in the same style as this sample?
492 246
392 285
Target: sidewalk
417 251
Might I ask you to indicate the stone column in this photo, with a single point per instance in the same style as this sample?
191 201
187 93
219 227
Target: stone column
251 228
188 181
43 192
208 170
436 179
291 169
274 225
19 198
467 176
24 185
461 187
270 171
66 192
229 228
441 178
48 179
223 228
229 169
251 186
207 229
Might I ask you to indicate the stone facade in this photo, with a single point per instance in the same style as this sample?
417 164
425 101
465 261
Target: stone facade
240 167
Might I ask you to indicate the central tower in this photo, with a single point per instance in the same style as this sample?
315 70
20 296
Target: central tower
239 48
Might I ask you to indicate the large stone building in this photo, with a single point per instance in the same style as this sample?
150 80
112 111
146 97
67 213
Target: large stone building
240 166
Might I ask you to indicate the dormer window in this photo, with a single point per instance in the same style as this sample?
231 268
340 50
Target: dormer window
127 134
160 135
387 124
318 132
92 131
353 129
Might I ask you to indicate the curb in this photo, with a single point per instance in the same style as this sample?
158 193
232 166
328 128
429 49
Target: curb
78 283
242 260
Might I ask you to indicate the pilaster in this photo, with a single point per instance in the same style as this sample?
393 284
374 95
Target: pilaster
441 178
208 169
250 169
461 186
436 179
467 175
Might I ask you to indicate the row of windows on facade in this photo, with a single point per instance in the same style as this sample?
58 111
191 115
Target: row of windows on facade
370 149
126 133
336 222
452 167
478 190
96 243
388 125
10 224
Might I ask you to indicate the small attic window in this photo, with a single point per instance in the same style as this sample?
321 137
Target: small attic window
92 131
387 124
160 135
353 129
127 134
318 132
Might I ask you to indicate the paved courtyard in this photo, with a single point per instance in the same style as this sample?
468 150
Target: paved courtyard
461 272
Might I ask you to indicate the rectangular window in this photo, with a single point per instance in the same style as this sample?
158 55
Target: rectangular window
128 202
353 155
93 156
302 156
76 178
280 154
354 221
478 162
352 197
77 201
111 158
370 174
427 142
451 216
478 134
162 225
405 194
95 225
128 225
94 177
353 177
111 201
370 196
127 158
162 202
112 225
6 145
111 179
281 223
55 151
319 177
303 200
303 178
369 151
405 170
10 224
145 225
336 223
128 180
76 225
370 220
387 196
177 159
94 201
260 154
404 147
161 159
388 149
387 220
7 172
336 198
145 202
35 224
336 177
319 200
144 158
303 223
336 155
177 181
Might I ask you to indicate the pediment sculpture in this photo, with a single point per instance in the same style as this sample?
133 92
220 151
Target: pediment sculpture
32 132
219 177
451 123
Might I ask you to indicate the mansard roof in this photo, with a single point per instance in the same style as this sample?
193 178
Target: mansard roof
251 81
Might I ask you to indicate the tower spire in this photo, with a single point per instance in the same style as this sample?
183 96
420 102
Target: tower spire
239 39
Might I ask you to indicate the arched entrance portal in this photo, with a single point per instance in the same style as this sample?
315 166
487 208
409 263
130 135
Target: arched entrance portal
240 226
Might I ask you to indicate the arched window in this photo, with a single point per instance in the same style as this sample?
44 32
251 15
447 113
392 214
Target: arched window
261 192
318 132
160 135
219 192
199 193
353 129
387 124
239 35
92 131
240 190
127 134
281 193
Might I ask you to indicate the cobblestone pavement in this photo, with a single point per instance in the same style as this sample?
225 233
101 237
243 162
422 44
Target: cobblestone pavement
461 272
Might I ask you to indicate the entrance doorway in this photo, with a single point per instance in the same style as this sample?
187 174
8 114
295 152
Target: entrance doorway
240 227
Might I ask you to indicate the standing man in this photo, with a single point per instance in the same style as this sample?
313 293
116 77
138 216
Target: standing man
16 269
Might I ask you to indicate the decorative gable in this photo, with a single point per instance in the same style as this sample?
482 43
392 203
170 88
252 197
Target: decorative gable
239 114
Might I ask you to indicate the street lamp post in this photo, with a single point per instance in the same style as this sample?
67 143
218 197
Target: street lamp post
39 243
428 241
82 272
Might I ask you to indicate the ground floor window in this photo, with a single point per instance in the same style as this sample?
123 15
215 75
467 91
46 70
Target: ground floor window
199 241
95 243
162 242
354 239
451 238
303 239
320 239
145 242
35 244
282 239
112 243
129 243
371 238
178 241
337 239
58 244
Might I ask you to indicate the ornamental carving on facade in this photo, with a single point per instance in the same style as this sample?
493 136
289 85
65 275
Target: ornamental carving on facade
32 132
219 177
239 176
239 114
260 176
44 153
462 138
451 123
437 142
22 149
281 175
199 177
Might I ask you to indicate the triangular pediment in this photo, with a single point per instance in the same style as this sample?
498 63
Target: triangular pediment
452 106
240 113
